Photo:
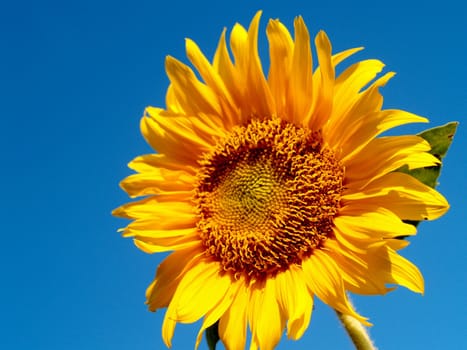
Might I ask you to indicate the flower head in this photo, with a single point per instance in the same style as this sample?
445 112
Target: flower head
273 190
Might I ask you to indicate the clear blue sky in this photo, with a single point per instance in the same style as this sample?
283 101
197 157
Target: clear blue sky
74 79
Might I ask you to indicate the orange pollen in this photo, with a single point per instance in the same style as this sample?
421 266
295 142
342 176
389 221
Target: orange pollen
266 196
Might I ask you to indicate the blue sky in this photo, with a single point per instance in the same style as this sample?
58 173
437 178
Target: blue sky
75 77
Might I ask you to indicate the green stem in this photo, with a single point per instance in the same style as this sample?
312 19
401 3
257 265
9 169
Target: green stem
357 332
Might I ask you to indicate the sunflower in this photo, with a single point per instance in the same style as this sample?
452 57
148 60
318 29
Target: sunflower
273 190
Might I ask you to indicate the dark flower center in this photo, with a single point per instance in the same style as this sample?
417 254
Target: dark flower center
267 196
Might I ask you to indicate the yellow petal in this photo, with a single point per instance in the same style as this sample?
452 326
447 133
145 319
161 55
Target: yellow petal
202 287
168 276
386 154
156 241
366 127
349 84
402 194
324 279
341 56
224 66
300 88
239 46
359 273
358 246
323 82
253 95
385 266
280 52
200 131
259 96
217 311
404 273
213 79
171 101
397 244
199 291
144 228
166 244
345 127
194 96
160 207
184 148
149 162
264 315
168 329
232 325
295 301
159 181
378 224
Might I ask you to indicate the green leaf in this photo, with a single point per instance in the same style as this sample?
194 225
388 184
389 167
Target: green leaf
212 335
440 139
